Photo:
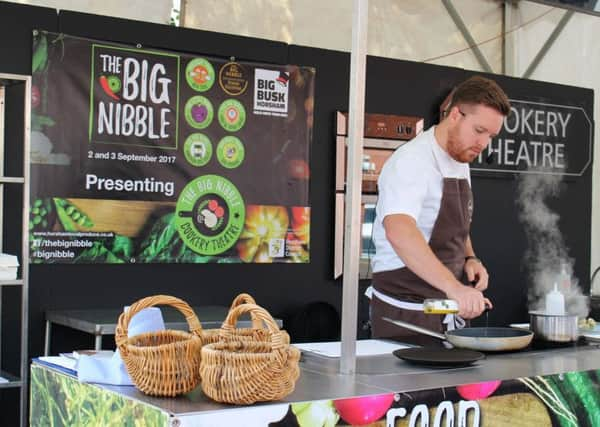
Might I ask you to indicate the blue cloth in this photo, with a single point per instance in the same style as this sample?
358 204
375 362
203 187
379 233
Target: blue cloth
111 370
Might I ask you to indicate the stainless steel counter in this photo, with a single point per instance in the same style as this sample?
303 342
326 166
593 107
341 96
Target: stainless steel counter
383 374
100 322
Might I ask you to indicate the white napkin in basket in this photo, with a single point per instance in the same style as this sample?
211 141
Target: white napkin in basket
104 370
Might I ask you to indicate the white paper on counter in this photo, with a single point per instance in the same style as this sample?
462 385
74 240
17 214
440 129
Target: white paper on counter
65 362
363 347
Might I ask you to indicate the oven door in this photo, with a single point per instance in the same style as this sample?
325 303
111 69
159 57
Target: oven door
367 248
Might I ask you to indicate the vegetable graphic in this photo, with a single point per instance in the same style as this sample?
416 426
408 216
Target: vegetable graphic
70 216
301 223
298 168
571 396
200 74
40 55
35 96
263 223
363 410
479 390
114 83
199 113
39 213
315 414
110 85
99 253
163 244
61 400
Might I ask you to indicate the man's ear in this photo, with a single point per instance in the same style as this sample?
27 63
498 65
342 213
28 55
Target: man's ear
453 113
444 110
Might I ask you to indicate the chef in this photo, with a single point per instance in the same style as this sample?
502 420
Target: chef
423 216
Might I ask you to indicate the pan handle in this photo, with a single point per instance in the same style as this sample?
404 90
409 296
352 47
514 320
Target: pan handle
415 328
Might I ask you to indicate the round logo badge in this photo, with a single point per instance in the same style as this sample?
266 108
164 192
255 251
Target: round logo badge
197 149
198 112
210 215
200 74
232 115
230 152
233 79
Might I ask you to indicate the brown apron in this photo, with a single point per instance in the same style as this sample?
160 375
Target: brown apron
448 238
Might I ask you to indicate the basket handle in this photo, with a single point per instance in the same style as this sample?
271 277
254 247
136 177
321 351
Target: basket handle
244 298
278 338
136 307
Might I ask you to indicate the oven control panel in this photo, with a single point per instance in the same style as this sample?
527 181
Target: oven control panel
388 126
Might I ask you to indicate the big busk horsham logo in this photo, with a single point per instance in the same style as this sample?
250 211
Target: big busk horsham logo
134 97
271 90
210 215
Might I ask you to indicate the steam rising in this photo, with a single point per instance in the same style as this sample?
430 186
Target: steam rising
546 251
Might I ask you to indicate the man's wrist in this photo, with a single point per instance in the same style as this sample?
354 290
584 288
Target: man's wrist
472 257
452 288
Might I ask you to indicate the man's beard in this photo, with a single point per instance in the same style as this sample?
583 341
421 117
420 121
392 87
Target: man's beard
464 156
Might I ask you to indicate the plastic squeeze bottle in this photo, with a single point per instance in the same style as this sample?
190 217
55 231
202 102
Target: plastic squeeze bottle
555 302
564 279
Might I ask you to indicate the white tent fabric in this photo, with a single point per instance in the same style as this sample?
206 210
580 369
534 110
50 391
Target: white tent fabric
157 11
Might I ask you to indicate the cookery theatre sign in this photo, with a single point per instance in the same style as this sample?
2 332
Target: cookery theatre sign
539 137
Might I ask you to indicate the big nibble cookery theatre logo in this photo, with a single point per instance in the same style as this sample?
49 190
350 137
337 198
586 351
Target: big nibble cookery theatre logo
210 214
271 89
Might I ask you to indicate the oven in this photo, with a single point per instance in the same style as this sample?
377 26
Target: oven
383 134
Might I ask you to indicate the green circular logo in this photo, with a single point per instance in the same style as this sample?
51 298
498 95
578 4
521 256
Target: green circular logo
200 74
232 115
230 152
197 149
199 112
210 215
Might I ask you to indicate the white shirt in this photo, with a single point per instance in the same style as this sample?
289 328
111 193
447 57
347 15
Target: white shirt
411 183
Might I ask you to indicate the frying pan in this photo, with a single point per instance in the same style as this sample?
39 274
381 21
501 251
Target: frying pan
482 339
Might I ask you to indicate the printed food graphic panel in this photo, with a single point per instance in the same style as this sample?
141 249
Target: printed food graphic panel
140 155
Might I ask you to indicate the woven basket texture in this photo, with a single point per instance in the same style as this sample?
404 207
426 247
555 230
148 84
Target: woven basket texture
162 363
240 370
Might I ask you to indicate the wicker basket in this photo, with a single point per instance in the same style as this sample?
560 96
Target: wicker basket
255 333
161 363
242 371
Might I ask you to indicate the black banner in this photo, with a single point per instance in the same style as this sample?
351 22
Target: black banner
141 155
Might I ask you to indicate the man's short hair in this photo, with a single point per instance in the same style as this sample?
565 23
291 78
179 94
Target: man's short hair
480 90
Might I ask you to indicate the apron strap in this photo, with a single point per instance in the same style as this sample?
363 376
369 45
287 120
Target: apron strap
452 321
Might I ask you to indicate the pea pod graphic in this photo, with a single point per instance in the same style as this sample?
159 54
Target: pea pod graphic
110 85
38 213
40 56
70 217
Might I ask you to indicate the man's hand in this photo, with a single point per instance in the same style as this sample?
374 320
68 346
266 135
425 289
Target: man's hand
477 273
471 302
410 245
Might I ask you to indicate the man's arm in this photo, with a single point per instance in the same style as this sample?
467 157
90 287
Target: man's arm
474 268
410 245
